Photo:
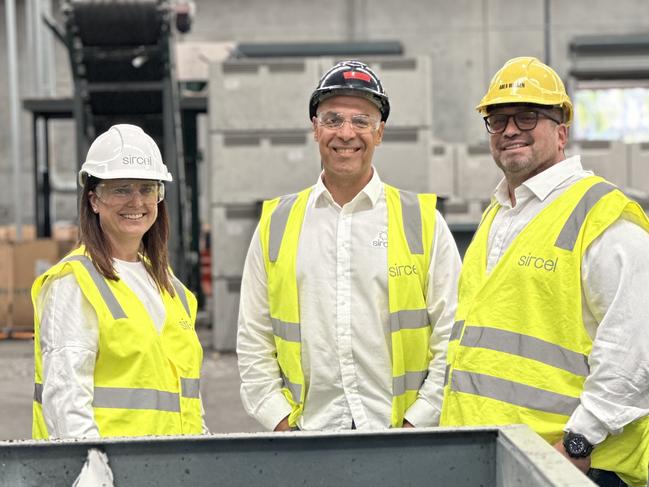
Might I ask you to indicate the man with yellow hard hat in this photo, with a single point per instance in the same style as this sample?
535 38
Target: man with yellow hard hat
552 324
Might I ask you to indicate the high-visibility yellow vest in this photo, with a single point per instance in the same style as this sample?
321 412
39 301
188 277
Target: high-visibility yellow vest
518 352
411 231
145 382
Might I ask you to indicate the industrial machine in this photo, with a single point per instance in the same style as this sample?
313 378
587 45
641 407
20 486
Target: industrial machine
123 71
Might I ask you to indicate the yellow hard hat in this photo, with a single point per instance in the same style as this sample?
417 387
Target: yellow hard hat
527 80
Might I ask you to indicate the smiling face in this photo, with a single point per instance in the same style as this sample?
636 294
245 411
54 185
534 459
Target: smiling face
346 153
127 209
524 154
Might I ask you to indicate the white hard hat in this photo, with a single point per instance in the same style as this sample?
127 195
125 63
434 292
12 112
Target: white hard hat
124 152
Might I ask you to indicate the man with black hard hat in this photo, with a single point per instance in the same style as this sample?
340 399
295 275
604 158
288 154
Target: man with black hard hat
349 287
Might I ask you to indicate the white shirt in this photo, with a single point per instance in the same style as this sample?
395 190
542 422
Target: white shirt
615 279
343 294
69 335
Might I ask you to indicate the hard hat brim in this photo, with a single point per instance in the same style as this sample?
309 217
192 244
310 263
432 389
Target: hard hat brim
125 174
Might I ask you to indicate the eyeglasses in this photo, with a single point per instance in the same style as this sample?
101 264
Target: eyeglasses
150 192
525 121
360 123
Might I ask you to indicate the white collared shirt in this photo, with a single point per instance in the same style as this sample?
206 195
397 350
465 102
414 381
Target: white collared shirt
342 285
615 279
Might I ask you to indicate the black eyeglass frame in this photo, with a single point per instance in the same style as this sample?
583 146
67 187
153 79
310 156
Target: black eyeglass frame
537 114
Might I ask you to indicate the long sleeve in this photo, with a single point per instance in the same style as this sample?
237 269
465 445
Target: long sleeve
260 376
441 300
69 342
615 278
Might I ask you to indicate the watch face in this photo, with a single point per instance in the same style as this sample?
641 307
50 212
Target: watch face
576 445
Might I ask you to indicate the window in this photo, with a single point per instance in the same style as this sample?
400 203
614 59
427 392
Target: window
611 110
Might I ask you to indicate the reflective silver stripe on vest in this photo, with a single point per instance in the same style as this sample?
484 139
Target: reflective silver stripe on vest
38 393
513 392
107 295
278 221
190 387
127 398
408 318
121 399
456 331
180 290
570 231
411 381
289 332
526 346
296 389
411 214
446 373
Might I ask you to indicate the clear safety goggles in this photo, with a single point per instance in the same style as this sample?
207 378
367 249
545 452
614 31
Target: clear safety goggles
360 123
121 192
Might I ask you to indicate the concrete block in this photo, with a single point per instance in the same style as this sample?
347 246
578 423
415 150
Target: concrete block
407 81
267 94
256 165
402 159
225 312
605 158
231 231
477 173
639 166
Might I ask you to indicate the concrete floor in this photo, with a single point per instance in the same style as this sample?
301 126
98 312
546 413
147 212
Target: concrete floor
219 388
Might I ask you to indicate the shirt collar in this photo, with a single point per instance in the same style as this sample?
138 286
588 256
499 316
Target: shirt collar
543 183
372 191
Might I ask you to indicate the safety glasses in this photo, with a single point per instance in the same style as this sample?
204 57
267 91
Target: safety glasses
525 121
360 123
120 192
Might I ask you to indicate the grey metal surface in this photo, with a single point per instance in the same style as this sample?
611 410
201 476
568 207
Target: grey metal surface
508 456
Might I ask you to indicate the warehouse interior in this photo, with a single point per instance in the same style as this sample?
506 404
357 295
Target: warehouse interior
223 88
210 78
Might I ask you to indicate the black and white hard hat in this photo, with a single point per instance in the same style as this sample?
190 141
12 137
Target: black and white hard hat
350 78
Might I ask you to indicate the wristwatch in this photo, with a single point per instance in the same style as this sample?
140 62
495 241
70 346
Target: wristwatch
576 445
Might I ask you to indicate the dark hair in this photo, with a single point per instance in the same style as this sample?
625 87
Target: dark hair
153 246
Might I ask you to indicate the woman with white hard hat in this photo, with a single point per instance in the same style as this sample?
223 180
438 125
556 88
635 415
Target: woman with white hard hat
116 352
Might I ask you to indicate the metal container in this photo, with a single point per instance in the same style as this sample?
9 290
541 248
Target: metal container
501 457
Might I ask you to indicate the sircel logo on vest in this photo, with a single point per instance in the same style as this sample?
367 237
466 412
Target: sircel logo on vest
397 270
539 263
184 324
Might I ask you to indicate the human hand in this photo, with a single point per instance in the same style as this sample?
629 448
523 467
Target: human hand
283 425
407 424
582 464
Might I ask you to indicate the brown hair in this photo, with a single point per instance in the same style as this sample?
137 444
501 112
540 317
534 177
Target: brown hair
153 247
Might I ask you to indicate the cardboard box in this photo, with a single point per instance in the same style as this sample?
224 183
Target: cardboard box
64 230
20 264
65 246
8 233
